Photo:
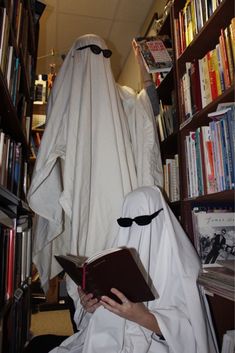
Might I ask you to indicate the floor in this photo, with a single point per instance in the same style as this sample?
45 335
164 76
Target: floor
51 322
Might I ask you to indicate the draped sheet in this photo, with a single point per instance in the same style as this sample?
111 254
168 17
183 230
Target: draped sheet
99 143
171 268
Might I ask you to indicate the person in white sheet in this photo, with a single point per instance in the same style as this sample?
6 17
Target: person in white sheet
100 142
177 320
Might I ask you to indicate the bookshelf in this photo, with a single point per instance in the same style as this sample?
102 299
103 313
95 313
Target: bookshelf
18 49
194 34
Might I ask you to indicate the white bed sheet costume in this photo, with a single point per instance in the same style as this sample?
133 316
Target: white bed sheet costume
100 143
172 267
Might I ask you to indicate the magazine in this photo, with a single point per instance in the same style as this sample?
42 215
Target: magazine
214 235
155 55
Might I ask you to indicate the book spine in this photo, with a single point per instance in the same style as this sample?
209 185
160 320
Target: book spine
220 156
188 166
10 265
84 277
199 162
224 56
232 34
195 84
230 118
228 47
225 155
182 31
220 66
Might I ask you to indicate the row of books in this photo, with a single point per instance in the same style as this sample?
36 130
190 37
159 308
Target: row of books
15 256
207 78
13 58
11 164
191 20
171 178
14 10
209 154
166 119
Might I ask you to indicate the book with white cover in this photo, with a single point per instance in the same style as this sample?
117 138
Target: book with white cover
214 234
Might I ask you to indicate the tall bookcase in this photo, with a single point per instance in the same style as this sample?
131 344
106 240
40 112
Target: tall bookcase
193 39
18 51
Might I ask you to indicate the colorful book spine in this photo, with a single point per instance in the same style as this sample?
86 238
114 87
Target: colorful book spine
224 56
199 162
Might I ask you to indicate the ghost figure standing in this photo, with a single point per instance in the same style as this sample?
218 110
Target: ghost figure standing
99 143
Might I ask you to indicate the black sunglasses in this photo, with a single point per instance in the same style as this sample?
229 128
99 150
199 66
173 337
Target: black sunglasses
140 220
97 50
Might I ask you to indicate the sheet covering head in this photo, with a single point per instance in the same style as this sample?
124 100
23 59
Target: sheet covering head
100 143
171 267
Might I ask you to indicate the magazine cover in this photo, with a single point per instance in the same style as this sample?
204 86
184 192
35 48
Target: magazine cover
214 234
155 55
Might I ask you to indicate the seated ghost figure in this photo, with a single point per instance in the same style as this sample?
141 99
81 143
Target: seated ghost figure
171 268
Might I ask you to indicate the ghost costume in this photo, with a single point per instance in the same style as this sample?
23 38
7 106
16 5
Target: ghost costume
100 143
172 267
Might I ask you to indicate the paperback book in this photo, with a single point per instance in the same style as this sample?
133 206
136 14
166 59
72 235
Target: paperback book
111 268
155 55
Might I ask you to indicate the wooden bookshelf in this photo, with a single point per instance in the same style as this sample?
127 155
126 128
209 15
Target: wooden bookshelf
202 41
17 69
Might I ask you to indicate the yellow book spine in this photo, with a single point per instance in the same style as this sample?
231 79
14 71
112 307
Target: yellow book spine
215 66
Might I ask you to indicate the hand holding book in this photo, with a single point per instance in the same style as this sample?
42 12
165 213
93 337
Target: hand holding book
88 302
112 268
145 75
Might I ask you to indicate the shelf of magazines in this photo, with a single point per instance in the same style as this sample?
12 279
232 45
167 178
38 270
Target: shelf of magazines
218 279
214 239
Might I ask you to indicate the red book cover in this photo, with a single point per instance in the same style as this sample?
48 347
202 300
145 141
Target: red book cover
203 161
177 37
182 31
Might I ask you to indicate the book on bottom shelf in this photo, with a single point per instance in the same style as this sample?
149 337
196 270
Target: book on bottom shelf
110 268
219 279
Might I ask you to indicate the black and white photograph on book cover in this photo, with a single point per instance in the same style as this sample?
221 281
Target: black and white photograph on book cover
214 234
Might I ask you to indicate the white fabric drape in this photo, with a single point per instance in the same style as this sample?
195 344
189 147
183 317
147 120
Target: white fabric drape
171 265
100 143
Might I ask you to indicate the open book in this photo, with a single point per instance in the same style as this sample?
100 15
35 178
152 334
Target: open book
155 55
111 268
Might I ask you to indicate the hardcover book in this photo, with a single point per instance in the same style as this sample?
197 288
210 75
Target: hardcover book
155 54
111 268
